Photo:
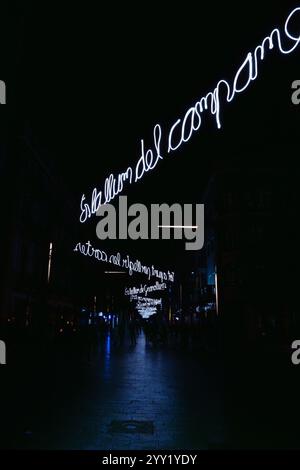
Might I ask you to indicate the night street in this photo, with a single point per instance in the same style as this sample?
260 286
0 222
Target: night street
149 249
81 403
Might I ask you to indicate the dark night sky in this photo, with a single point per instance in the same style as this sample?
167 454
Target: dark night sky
91 82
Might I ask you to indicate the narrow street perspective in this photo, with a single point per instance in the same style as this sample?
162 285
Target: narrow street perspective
130 397
149 242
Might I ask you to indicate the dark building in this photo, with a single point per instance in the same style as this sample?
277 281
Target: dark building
250 251
37 259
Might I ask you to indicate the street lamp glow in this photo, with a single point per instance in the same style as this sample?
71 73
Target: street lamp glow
49 261
193 227
114 272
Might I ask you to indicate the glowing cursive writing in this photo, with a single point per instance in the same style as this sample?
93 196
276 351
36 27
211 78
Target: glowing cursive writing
144 289
182 129
124 262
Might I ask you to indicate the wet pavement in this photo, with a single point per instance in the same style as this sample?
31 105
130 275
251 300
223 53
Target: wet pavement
128 398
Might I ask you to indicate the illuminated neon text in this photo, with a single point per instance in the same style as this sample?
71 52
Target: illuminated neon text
168 140
126 262
144 289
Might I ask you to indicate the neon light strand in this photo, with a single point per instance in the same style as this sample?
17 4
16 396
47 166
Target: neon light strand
125 262
183 129
144 289
146 312
148 301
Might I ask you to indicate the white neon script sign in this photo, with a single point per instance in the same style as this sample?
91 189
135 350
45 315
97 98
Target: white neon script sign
144 289
125 262
148 302
147 307
147 312
183 129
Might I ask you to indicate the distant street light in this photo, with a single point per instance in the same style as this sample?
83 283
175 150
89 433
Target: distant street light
49 261
217 293
114 272
192 227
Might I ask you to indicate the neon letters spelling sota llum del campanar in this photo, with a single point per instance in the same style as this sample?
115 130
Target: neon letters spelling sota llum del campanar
182 130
